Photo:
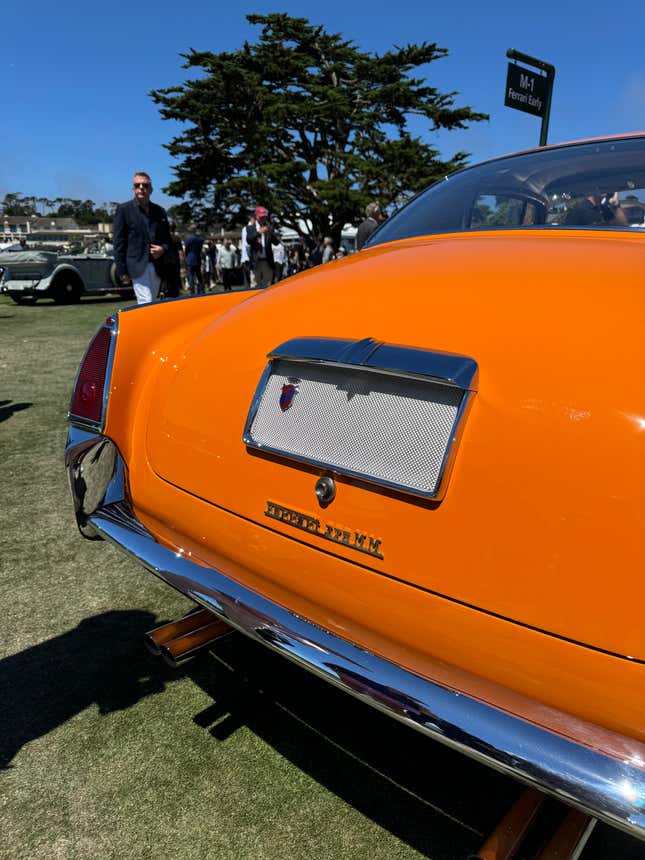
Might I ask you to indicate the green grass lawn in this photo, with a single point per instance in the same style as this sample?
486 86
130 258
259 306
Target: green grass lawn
107 753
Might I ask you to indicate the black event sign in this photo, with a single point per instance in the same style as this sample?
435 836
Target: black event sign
526 90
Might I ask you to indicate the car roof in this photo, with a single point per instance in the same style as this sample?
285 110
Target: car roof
549 146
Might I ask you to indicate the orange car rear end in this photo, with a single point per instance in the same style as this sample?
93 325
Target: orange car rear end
418 471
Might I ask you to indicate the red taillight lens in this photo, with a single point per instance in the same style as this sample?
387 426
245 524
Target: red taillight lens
87 399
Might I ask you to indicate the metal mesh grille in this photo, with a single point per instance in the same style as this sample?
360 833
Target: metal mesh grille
388 428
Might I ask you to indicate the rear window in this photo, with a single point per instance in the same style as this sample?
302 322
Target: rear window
589 185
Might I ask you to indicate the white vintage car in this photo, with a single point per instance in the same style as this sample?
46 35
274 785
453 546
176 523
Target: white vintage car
27 276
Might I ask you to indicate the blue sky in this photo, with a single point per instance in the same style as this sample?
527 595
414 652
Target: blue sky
76 118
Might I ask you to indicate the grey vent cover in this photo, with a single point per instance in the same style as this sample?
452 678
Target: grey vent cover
392 428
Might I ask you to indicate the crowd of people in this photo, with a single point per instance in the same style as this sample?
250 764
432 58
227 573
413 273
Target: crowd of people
257 258
157 262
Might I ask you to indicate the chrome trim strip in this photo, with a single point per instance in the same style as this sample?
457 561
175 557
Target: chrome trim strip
96 475
85 423
358 352
457 370
327 468
445 368
604 787
453 444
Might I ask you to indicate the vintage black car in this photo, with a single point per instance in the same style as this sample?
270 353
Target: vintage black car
27 276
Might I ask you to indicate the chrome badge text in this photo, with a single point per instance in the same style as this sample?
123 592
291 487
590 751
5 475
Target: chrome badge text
307 523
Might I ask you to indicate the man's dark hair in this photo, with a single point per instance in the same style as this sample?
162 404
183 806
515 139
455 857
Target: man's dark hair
142 173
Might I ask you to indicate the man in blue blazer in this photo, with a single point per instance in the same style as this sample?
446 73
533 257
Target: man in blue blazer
193 244
141 238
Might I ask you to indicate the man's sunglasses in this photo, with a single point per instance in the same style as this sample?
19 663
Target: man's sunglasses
141 185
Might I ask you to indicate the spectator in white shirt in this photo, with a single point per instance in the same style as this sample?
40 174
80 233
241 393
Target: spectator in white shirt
245 256
328 250
226 260
278 262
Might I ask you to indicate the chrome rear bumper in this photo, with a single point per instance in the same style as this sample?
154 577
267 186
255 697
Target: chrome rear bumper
605 787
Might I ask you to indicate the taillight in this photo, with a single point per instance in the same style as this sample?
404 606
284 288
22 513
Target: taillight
93 377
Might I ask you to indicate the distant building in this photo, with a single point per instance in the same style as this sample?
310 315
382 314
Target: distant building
59 231
13 228
45 231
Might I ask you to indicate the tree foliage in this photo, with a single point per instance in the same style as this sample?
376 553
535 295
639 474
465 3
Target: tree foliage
16 204
84 212
306 124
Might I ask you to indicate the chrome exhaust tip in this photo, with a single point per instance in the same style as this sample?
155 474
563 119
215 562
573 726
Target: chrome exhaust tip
184 647
154 639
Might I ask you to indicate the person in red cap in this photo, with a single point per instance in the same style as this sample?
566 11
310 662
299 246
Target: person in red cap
261 238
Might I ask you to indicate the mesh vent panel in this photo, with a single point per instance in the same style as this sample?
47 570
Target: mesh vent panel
387 428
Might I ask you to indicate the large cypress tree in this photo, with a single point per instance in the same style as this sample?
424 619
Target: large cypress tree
306 124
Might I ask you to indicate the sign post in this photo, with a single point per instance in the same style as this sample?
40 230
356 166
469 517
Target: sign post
528 91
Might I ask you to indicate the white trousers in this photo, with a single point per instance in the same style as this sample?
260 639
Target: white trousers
146 285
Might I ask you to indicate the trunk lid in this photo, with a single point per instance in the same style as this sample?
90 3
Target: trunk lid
539 522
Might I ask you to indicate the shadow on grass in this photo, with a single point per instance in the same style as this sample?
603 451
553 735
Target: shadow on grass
99 662
7 408
436 800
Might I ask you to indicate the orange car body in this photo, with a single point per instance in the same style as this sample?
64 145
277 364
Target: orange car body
521 585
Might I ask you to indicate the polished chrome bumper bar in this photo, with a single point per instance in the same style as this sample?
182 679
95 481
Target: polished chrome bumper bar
605 787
